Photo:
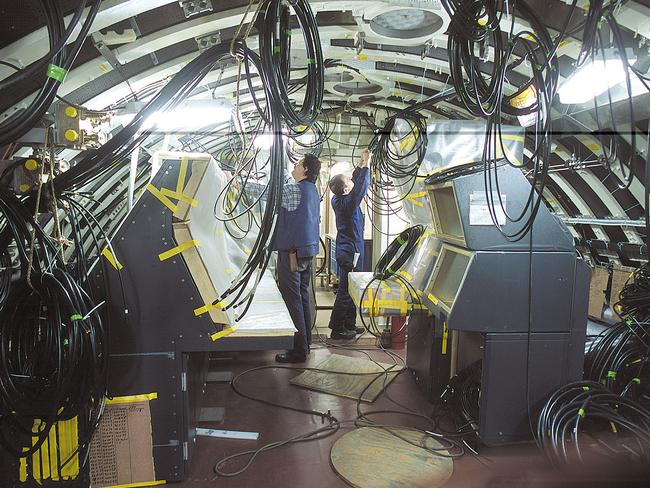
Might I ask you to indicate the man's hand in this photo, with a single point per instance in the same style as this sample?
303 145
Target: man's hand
365 158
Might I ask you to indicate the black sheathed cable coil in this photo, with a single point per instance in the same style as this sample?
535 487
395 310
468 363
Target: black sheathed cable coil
398 252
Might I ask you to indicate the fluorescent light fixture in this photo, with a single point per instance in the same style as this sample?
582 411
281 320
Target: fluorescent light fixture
191 115
263 141
593 78
341 167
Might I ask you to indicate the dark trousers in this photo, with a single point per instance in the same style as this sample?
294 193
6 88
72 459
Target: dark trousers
294 287
344 313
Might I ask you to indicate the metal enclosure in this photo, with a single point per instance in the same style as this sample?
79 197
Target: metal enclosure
519 306
161 345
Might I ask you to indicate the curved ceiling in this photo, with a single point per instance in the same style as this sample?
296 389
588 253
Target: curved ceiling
391 54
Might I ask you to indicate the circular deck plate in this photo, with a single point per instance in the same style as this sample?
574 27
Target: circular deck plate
372 457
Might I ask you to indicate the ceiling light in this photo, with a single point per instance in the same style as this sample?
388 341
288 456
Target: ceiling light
263 141
593 78
191 115
339 168
406 23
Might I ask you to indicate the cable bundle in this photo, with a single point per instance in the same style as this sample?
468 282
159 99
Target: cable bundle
635 296
474 33
52 66
53 344
460 401
390 262
619 358
619 425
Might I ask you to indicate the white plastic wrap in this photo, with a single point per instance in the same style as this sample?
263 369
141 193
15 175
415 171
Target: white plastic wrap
450 143
217 258
392 297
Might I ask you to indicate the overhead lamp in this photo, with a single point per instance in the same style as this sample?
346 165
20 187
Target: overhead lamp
341 167
594 77
263 141
191 115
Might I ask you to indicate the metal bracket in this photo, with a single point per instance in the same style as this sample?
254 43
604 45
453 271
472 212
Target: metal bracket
426 49
206 42
194 7
359 40
183 381
103 49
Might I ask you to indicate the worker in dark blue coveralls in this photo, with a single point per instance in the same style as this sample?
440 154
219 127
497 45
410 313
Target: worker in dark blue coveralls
348 195
296 239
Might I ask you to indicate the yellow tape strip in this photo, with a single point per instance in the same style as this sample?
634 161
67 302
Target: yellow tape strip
179 196
23 467
144 397
512 137
445 335
413 197
137 485
207 308
111 259
406 275
178 249
163 199
223 333
433 299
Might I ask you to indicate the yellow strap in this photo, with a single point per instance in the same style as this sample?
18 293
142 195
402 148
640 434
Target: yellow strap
512 137
178 249
413 197
141 484
179 196
145 397
23 467
163 199
111 259
445 335
207 308
406 275
225 332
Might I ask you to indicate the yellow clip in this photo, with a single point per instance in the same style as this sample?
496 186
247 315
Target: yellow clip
225 332
111 259
145 397
207 308
178 249
163 199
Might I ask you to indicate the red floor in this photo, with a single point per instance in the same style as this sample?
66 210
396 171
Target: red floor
306 464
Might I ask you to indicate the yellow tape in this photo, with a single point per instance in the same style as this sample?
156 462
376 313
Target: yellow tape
406 275
512 137
225 332
22 470
144 397
433 299
179 196
413 197
178 249
111 259
445 335
141 484
60 447
163 199
207 308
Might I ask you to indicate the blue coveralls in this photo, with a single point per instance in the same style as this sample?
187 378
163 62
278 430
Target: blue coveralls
349 240
299 230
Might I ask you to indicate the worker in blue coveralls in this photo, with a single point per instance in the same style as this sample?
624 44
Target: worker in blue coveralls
296 239
348 194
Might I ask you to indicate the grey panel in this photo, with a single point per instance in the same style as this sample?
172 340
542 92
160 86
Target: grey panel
495 294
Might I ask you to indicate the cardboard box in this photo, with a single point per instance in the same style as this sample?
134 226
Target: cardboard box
121 451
